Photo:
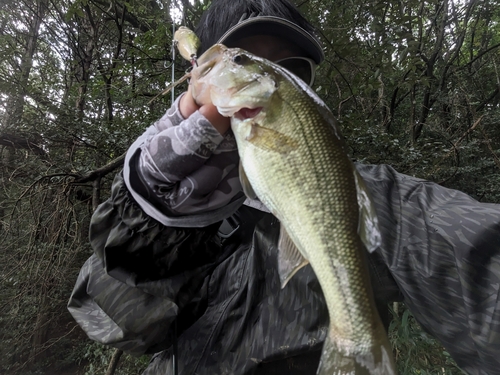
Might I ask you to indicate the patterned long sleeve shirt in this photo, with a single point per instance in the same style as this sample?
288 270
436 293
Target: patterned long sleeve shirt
188 171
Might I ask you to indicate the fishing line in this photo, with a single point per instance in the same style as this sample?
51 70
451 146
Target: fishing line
173 68
175 356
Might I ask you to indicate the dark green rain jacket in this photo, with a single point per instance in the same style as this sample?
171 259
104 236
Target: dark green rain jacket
162 276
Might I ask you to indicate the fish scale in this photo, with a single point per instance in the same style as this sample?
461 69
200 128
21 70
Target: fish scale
294 160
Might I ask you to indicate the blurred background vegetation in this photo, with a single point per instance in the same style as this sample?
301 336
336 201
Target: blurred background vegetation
414 84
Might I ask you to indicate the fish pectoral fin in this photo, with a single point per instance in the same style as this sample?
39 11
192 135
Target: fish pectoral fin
270 140
368 226
290 260
245 183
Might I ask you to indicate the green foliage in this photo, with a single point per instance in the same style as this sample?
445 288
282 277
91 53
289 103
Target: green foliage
412 85
99 356
416 352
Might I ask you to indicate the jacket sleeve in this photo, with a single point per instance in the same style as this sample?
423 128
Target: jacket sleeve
442 248
141 277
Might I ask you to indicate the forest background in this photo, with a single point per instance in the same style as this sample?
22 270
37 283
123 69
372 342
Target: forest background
414 84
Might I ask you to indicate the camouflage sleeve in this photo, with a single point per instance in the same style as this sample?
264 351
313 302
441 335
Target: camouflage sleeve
140 268
442 248
188 172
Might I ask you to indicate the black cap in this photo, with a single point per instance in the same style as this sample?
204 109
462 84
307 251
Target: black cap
268 25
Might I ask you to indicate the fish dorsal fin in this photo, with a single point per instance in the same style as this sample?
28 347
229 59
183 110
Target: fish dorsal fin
270 140
247 187
290 260
368 227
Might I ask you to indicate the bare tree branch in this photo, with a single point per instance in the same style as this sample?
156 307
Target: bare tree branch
103 171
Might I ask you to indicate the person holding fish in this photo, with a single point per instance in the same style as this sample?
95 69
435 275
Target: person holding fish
240 239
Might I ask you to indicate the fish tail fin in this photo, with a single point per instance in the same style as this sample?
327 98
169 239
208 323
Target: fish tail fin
377 361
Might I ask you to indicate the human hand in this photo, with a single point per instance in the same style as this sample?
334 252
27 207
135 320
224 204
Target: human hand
204 104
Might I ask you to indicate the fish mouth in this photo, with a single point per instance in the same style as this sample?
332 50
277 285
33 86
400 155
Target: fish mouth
246 113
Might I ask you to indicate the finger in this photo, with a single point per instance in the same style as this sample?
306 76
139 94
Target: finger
219 122
187 105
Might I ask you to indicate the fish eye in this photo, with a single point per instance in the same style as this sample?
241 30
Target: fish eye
238 59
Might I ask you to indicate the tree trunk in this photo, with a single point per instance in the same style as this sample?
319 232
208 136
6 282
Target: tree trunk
15 103
40 331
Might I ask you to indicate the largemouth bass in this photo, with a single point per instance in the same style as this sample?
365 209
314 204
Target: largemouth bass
294 160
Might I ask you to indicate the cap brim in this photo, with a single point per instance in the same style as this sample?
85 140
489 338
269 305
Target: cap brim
267 25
